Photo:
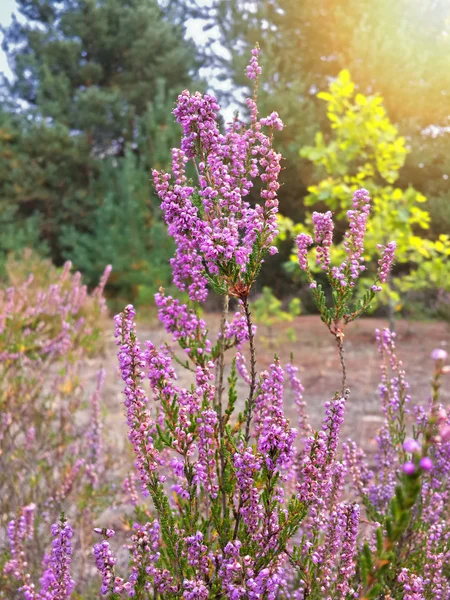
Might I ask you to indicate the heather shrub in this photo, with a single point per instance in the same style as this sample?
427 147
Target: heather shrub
243 505
234 502
50 427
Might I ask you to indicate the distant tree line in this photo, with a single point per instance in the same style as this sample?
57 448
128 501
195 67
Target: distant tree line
87 113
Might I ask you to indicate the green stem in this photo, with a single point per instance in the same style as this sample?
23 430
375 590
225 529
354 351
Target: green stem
250 399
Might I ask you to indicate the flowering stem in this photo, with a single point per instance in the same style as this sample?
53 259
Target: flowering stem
221 362
219 393
251 338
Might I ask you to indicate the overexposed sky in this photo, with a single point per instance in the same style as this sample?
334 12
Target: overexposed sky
7 7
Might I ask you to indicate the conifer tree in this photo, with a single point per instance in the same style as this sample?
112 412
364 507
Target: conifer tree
85 73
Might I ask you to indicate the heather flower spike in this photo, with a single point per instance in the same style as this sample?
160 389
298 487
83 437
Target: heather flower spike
342 279
221 238
56 581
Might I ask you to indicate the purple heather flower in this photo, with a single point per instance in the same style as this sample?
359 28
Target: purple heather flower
347 565
409 468
298 390
386 260
323 233
105 561
272 120
241 367
386 459
205 468
275 437
215 227
436 560
411 446
56 581
439 355
303 242
197 553
315 469
356 463
182 322
254 70
129 487
413 585
237 330
426 464
394 388
354 240
247 465
132 362
195 589
19 529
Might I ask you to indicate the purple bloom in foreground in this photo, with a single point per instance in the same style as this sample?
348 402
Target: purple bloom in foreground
411 446
141 426
409 468
439 355
56 581
426 463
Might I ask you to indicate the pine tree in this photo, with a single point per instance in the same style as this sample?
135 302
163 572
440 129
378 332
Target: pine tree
86 74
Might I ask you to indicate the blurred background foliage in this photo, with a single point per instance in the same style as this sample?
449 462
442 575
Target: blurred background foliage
363 88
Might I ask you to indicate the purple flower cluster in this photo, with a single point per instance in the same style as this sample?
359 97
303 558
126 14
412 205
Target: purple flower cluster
254 70
105 561
183 323
217 231
351 268
141 426
205 468
345 275
56 582
20 529
62 302
394 387
297 388
315 470
247 465
237 330
339 543
413 585
386 260
275 436
323 235
129 487
303 242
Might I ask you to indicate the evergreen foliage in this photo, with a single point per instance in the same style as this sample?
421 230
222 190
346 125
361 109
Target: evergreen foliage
93 81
